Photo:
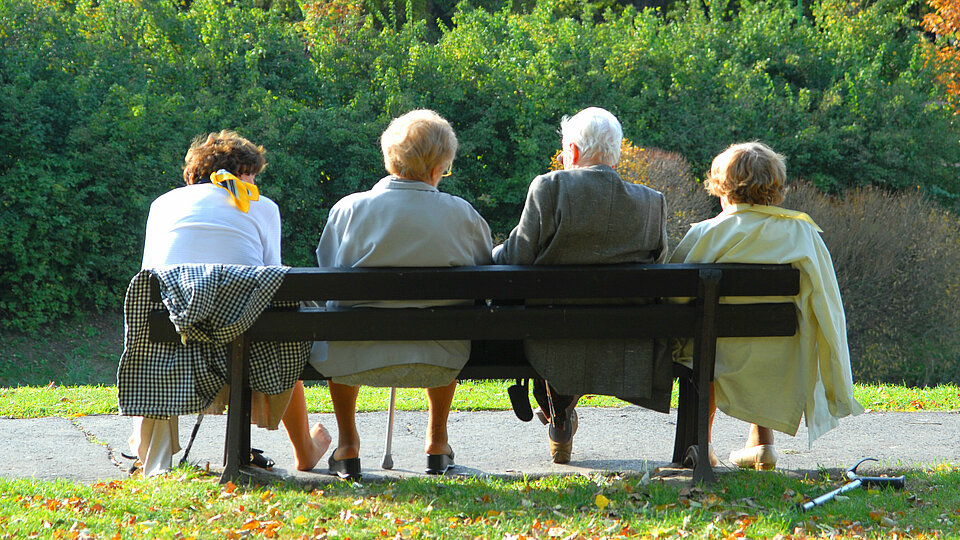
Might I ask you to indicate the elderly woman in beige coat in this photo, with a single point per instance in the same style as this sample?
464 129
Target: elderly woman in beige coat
404 220
773 382
587 214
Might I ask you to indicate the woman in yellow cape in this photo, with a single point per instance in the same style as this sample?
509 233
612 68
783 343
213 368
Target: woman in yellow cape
772 382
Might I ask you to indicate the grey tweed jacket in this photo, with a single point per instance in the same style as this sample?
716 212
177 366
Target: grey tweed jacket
591 216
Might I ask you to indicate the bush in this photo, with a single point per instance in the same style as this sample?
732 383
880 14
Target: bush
668 173
896 256
99 101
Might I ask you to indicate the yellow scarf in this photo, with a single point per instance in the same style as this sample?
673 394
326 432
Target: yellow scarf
241 192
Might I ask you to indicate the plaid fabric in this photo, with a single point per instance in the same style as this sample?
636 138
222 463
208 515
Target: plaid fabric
210 305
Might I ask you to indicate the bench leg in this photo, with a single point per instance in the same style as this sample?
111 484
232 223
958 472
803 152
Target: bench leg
704 357
236 452
686 435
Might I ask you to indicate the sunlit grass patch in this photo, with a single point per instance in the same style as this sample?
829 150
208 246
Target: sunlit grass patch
52 400
188 503
891 397
72 401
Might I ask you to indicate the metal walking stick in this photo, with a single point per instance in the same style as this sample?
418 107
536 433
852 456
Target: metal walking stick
856 482
387 455
193 435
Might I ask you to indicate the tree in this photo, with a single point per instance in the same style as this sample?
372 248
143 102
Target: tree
944 22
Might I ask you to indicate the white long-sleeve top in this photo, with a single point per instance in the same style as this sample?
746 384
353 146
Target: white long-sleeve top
200 224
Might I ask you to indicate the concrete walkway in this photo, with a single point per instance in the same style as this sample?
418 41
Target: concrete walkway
629 439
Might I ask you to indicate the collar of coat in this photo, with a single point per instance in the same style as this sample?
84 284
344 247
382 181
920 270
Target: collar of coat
394 182
775 211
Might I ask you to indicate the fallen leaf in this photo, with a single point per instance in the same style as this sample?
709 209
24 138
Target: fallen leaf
601 501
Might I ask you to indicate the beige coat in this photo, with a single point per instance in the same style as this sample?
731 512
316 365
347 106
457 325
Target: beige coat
773 381
399 223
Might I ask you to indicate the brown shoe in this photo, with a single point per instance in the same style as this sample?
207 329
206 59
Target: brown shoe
561 440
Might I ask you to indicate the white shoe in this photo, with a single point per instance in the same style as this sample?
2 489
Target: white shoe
761 457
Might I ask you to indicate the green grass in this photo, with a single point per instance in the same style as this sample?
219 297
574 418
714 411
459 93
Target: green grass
888 397
186 503
79 352
190 504
72 401
64 401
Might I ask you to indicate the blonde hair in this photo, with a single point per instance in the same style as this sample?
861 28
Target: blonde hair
223 150
417 142
748 173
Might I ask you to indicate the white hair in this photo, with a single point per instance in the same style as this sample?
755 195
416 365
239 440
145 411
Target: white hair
597 134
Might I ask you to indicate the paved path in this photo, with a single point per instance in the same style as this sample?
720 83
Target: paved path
629 439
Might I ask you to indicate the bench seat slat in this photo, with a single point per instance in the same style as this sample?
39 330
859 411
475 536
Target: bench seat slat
505 322
504 282
609 281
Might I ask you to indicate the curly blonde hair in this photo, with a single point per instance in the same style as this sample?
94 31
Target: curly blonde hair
417 142
748 173
223 150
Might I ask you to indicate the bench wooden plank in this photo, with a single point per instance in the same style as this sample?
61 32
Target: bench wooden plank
504 322
530 282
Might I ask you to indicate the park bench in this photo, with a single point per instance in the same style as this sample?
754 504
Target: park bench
703 319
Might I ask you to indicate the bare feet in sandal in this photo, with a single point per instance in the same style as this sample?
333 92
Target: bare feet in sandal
321 442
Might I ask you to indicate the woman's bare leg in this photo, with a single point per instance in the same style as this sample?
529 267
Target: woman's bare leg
309 445
759 435
344 400
439 401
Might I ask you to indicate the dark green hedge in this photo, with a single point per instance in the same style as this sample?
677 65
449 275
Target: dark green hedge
99 100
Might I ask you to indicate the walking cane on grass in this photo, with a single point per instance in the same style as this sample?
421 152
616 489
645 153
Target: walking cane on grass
856 482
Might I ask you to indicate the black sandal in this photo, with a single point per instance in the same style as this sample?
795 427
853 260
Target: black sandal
344 468
257 459
439 463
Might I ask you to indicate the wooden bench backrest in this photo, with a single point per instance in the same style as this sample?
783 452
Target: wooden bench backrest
505 319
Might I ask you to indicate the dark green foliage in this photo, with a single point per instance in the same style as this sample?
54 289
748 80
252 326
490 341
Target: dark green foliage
100 99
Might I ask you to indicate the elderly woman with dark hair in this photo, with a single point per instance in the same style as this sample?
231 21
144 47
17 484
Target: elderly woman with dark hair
404 220
219 217
587 214
772 382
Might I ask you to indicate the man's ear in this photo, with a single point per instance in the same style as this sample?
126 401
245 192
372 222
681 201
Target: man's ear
574 154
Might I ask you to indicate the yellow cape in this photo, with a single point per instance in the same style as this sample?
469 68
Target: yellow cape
773 381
